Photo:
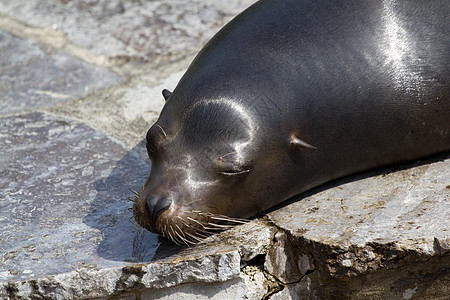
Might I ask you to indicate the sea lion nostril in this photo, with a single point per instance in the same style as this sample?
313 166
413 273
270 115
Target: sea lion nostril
162 205
155 206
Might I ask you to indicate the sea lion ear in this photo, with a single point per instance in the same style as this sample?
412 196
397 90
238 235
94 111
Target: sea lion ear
166 94
297 142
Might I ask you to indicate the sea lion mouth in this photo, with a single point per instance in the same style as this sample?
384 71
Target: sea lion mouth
154 207
161 216
192 227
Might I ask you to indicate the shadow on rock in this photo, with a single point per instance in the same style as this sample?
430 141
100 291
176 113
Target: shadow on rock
110 212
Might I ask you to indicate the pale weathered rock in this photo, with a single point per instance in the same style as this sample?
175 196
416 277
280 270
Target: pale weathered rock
216 267
256 282
251 239
304 289
280 258
383 236
127 111
136 30
92 283
251 287
233 289
397 211
305 263
33 76
442 245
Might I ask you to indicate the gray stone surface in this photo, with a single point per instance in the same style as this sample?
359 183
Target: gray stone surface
90 282
250 240
384 236
128 110
233 289
139 30
279 261
402 209
33 76
63 191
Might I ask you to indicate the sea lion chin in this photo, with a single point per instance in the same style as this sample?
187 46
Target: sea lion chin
290 95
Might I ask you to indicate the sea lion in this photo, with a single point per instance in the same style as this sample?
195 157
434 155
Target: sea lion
292 94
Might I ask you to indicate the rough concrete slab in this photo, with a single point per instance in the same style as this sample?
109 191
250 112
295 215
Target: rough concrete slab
136 30
63 191
33 76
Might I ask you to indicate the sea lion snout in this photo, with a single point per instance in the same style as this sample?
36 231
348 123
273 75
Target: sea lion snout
155 206
152 200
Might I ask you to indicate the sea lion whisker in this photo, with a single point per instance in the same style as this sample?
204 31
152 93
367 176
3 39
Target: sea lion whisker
193 220
202 233
162 129
183 238
133 221
183 222
204 230
206 224
179 230
193 237
186 225
221 225
174 235
178 227
209 223
134 192
222 157
171 237
186 242
232 218
227 219
203 214
193 201
177 240
213 230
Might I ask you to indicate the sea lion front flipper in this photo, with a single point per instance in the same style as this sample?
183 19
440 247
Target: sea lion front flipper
296 141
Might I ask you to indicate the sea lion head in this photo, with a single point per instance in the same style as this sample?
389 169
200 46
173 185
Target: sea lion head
211 167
